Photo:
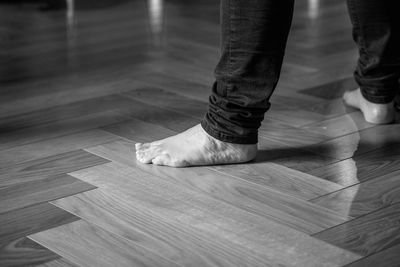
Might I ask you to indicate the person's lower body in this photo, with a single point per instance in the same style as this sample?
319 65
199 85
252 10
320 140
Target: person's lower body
254 35
376 31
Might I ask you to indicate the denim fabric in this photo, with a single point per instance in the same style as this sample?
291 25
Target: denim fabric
254 34
376 31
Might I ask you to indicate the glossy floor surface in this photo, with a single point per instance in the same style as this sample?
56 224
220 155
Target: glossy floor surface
82 81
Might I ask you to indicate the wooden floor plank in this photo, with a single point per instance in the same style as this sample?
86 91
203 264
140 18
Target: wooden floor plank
71 241
280 178
138 130
194 209
22 222
339 126
74 110
386 258
178 85
15 248
292 182
171 240
58 263
284 135
41 132
47 97
51 147
294 158
333 89
257 197
367 234
168 100
39 169
166 118
361 168
364 198
24 252
26 194
359 142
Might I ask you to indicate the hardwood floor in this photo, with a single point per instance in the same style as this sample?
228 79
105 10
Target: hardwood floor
78 90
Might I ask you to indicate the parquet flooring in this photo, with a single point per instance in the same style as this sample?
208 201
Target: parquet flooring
78 90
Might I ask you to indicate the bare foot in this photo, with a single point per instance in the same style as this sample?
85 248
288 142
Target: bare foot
193 147
373 113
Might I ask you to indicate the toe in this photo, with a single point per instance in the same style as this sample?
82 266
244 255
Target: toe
166 160
147 155
138 146
143 146
158 160
140 156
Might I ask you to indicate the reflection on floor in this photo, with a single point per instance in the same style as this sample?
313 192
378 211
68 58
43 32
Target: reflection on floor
80 85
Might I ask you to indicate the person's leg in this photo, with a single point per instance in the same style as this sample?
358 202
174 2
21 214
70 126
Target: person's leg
254 34
254 38
376 31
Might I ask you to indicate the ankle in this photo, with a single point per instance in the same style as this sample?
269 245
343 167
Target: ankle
379 113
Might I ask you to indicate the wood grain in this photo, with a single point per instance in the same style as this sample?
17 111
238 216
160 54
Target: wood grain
283 135
339 126
54 146
39 169
166 118
26 194
36 218
279 178
109 249
364 198
58 263
171 240
74 110
361 168
24 252
294 158
331 90
58 128
258 196
359 142
368 234
15 248
204 213
386 258
138 130
282 179
163 99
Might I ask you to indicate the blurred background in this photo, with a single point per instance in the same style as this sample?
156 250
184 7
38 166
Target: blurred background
73 44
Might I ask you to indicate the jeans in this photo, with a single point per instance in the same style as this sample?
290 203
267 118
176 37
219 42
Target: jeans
254 35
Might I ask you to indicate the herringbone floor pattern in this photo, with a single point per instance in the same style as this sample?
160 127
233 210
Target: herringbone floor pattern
78 89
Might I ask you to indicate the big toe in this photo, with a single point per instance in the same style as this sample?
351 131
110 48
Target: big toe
167 160
147 156
142 147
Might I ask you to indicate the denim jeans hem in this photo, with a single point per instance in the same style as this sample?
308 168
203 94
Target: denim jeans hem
377 99
245 140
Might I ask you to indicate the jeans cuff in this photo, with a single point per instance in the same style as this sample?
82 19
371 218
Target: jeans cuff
245 140
377 99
